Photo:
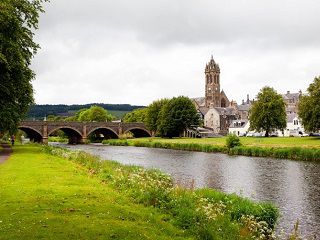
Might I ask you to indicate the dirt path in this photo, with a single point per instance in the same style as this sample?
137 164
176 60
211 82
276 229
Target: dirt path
5 152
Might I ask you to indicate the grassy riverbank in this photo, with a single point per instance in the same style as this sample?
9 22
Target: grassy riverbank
290 148
49 193
275 142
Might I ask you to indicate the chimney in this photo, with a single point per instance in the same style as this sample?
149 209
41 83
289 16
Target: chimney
242 101
288 92
248 101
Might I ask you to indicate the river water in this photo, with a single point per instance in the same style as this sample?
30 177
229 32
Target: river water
292 185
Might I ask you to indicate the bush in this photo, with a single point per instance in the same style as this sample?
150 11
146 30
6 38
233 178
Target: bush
233 141
127 135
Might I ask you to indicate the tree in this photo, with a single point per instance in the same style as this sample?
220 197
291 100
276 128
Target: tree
138 115
309 107
153 113
268 113
94 114
18 20
176 116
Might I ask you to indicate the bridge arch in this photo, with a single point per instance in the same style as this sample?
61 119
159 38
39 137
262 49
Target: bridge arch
105 131
138 132
74 135
32 133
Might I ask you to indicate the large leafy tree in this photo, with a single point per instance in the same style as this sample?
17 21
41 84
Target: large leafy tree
153 113
268 113
309 107
94 114
18 20
176 116
137 115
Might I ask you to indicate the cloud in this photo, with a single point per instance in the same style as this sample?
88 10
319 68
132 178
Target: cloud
138 51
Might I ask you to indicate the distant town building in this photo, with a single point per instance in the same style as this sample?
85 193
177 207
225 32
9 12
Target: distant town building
222 116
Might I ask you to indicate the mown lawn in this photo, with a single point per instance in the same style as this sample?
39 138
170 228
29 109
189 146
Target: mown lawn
304 142
47 197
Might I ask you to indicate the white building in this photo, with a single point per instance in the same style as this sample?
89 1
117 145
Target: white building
294 126
239 127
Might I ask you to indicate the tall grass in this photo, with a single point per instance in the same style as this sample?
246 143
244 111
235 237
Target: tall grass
294 153
168 145
204 213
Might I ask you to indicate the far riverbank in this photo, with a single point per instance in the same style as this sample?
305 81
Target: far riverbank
305 149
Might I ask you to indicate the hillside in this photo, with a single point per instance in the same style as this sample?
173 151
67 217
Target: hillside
41 111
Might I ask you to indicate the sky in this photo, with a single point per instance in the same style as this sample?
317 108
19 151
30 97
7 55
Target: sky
138 51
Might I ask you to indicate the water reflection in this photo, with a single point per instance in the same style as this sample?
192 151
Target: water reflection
294 186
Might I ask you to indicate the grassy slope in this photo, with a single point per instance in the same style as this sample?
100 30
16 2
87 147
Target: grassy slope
249 141
47 197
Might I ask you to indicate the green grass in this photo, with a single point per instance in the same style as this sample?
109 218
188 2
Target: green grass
52 193
265 147
47 197
305 142
58 139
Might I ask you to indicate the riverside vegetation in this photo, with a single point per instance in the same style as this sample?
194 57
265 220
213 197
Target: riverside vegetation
46 196
286 148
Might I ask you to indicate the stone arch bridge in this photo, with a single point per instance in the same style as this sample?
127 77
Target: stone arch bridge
78 132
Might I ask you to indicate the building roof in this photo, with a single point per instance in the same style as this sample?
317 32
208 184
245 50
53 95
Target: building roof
203 110
225 111
289 95
241 123
200 101
244 107
291 116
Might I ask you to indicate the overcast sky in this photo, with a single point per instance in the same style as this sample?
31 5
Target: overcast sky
137 51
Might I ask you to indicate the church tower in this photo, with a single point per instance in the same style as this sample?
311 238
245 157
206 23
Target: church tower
212 94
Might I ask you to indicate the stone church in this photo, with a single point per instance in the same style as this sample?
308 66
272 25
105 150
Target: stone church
215 108
213 96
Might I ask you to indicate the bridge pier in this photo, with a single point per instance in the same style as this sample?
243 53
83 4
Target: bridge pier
83 140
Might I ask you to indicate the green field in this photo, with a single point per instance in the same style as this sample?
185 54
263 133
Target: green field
47 197
50 193
304 142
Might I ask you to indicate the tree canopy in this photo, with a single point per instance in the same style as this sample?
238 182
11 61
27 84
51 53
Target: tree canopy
176 116
92 114
268 113
309 107
18 20
153 113
138 115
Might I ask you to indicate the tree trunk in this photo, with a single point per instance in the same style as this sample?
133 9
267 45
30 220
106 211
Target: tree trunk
267 134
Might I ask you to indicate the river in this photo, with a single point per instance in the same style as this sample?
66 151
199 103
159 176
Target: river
294 186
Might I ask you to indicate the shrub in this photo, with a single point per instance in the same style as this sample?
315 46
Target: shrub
127 135
233 141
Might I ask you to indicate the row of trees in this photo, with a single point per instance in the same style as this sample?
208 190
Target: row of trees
268 113
166 117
